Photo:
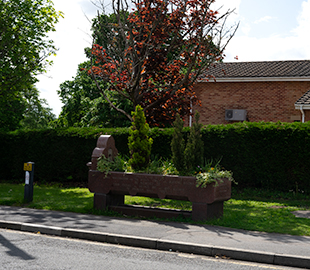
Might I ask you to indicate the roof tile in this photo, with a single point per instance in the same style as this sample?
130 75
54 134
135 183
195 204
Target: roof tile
298 68
304 100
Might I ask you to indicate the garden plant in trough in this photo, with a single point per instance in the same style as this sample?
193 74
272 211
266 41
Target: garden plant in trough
138 142
206 172
140 150
207 192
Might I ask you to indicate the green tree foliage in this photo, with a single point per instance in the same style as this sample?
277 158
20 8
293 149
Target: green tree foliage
178 144
84 105
138 142
12 108
104 28
29 111
37 115
193 154
24 48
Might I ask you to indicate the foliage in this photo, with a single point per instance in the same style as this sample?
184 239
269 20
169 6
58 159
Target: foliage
156 166
138 141
84 106
36 115
153 54
263 155
273 156
107 165
26 111
11 111
177 144
205 175
104 27
186 160
211 174
167 167
60 155
193 154
24 48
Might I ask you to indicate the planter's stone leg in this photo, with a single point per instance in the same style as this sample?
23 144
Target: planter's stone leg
103 201
204 211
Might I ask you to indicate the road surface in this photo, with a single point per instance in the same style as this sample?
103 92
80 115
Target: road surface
20 250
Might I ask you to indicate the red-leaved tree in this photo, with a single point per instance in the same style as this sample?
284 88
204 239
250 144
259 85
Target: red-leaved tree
155 52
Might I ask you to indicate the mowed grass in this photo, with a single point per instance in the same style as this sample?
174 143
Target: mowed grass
253 210
78 200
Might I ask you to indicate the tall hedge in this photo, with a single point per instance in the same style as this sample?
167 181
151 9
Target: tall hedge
271 155
60 155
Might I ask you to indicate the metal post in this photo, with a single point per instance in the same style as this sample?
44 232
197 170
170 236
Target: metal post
190 115
29 172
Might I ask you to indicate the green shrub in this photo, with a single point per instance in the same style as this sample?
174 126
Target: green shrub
107 165
193 154
138 142
210 173
178 144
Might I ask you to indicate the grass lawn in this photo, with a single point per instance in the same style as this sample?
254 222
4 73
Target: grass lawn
248 209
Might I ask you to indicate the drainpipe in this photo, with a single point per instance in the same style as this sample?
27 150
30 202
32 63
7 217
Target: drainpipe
302 113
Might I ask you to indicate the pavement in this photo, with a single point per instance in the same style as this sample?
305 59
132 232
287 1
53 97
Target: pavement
269 248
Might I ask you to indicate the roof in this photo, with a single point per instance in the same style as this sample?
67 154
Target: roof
260 71
304 100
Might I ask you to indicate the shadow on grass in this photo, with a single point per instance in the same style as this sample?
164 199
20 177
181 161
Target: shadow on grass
263 217
48 198
259 214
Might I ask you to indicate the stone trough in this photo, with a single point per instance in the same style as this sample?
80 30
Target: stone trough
109 190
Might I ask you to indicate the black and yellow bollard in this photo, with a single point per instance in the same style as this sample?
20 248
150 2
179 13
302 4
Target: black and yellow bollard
29 171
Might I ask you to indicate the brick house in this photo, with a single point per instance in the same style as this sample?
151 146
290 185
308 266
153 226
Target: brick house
255 91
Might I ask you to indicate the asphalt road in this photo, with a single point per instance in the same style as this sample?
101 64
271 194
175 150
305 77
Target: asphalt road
20 250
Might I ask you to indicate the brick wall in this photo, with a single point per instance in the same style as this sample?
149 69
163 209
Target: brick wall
264 101
307 115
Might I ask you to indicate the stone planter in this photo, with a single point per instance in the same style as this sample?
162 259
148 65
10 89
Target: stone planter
109 190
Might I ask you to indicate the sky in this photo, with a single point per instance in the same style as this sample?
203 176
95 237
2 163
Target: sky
268 30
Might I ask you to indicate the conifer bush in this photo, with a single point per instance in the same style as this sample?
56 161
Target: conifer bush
178 144
186 159
193 154
139 143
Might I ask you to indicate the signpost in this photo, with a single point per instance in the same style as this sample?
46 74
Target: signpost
29 171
